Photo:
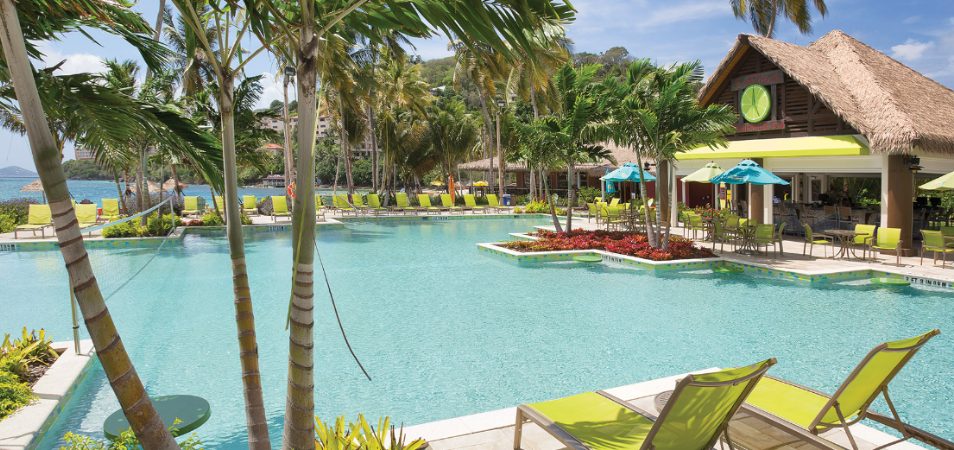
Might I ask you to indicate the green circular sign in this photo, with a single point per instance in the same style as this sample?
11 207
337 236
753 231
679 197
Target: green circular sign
756 103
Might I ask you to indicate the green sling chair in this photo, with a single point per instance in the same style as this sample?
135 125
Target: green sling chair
190 205
218 203
448 203
85 214
374 204
342 204
812 239
403 205
110 210
358 202
494 202
279 207
888 239
696 415
249 205
865 234
934 242
425 201
764 237
470 202
800 408
319 207
38 218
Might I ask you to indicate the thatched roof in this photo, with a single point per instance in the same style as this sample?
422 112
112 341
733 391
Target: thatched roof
896 108
621 154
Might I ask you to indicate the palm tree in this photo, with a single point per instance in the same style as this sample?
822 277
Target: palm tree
39 23
483 66
763 13
452 132
577 124
404 98
541 149
655 112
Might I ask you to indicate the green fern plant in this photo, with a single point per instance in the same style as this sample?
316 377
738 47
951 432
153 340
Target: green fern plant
362 435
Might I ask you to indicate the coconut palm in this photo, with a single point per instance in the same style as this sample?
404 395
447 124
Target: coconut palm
764 13
31 21
404 97
451 131
483 66
542 149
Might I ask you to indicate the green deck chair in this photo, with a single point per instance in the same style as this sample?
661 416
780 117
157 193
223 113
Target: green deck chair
190 205
812 239
249 205
341 203
614 201
448 203
696 224
38 218
695 417
319 207
801 408
219 202
85 215
889 240
494 202
864 238
470 202
934 242
279 207
374 204
403 205
591 211
358 201
425 201
110 210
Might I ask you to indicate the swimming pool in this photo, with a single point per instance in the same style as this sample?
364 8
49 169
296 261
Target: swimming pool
447 331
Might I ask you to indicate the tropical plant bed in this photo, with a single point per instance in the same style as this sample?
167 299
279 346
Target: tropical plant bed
623 243
23 362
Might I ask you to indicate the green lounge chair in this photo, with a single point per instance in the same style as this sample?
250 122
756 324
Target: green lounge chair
934 242
219 203
470 202
374 204
425 201
358 203
448 203
812 239
341 203
85 214
494 202
110 210
865 234
889 240
695 417
800 408
319 207
38 218
279 207
190 205
403 205
249 205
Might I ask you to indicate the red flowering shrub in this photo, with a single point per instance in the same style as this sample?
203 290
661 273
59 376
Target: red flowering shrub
632 244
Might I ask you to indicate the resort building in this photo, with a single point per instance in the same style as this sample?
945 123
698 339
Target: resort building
324 130
834 108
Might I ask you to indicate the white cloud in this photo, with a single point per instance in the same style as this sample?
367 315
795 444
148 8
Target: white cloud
911 20
272 90
686 12
73 62
911 50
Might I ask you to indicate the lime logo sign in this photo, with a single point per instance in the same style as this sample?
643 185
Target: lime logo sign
756 103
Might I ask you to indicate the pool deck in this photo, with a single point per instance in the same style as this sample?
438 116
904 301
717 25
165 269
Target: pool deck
493 430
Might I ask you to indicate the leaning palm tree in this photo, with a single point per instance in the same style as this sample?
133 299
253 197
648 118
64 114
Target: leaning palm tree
764 13
36 20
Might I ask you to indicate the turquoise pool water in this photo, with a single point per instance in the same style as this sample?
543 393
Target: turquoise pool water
447 331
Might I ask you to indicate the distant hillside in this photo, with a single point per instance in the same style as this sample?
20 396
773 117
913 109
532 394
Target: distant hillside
16 172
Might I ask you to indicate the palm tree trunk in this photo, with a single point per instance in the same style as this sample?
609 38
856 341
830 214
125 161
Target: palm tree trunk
553 214
122 376
255 418
299 430
346 148
289 161
650 229
488 132
501 163
119 188
570 173
372 124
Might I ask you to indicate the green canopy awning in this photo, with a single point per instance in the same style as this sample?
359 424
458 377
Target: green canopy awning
797 147
703 175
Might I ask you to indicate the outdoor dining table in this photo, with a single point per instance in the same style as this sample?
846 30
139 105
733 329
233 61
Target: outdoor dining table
845 239
746 234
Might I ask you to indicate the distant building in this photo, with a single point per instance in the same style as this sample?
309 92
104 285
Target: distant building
84 154
362 150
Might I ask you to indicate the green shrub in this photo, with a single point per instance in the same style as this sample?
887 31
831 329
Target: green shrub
587 194
246 220
361 435
14 394
33 348
18 208
122 230
211 219
7 222
156 226
126 441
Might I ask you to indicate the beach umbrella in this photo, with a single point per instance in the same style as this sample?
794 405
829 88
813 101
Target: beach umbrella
153 187
703 175
943 183
171 183
34 186
748 172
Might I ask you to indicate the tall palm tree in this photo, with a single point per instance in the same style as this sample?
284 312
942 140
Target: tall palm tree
541 149
41 20
483 66
452 132
764 13
404 97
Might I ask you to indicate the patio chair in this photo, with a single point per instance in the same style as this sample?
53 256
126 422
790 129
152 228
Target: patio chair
190 206
279 207
219 203
38 218
720 236
85 214
591 211
494 202
695 417
249 205
863 239
779 238
374 204
358 202
110 210
613 217
888 240
425 201
812 239
764 237
798 408
614 201
342 204
696 225
470 203
403 205
934 242
732 224
448 204
319 207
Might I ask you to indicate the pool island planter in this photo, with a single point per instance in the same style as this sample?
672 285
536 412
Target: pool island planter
568 255
24 428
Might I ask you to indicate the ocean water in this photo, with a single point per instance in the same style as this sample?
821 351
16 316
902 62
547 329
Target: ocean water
446 331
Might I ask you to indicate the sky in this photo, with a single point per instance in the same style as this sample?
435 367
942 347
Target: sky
919 33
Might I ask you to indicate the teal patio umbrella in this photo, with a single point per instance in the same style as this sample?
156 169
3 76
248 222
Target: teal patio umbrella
627 172
748 172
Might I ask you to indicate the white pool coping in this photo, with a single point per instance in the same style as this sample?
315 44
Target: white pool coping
21 429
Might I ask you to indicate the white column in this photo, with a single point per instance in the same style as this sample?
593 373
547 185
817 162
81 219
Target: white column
809 196
673 196
796 188
884 189
768 205
824 184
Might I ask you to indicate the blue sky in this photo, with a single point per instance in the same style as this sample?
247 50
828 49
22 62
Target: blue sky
919 33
